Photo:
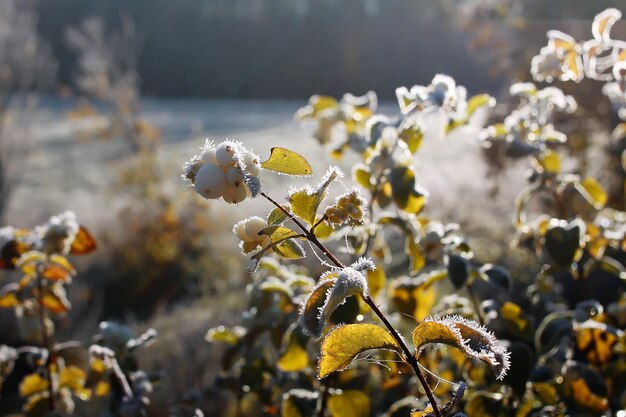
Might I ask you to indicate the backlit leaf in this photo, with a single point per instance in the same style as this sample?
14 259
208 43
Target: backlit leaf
350 403
413 136
289 249
221 334
323 230
597 193
294 356
466 335
32 384
550 162
584 397
596 341
287 162
344 343
277 216
8 296
478 101
299 403
56 301
83 243
361 174
406 193
310 312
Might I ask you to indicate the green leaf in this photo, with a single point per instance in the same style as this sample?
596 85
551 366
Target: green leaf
344 343
305 202
278 233
323 231
289 249
277 216
287 162
350 403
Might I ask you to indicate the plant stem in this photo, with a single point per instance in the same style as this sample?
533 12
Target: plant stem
323 402
474 300
409 357
45 340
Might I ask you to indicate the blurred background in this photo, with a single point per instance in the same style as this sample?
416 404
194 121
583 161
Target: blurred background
101 102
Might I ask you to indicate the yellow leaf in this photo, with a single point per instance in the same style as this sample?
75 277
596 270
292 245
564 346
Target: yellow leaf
32 384
361 174
299 403
406 193
289 249
550 162
344 343
310 314
478 101
320 103
596 341
304 204
597 193
83 243
221 334
468 336
583 396
8 300
323 230
513 313
351 403
102 389
546 391
56 301
295 359
413 137
416 296
287 162
427 412
376 280
294 356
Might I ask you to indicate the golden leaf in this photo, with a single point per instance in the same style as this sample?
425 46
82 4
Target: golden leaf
350 403
344 343
287 162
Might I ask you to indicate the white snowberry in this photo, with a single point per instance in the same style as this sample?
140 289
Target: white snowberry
210 181
253 165
253 226
208 155
226 154
234 194
234 176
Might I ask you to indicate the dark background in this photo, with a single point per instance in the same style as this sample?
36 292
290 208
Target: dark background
295 48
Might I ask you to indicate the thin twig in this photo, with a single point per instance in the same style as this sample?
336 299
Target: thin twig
474 300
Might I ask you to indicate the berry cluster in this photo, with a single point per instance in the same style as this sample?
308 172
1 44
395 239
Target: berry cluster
227 170
248 231
347 210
